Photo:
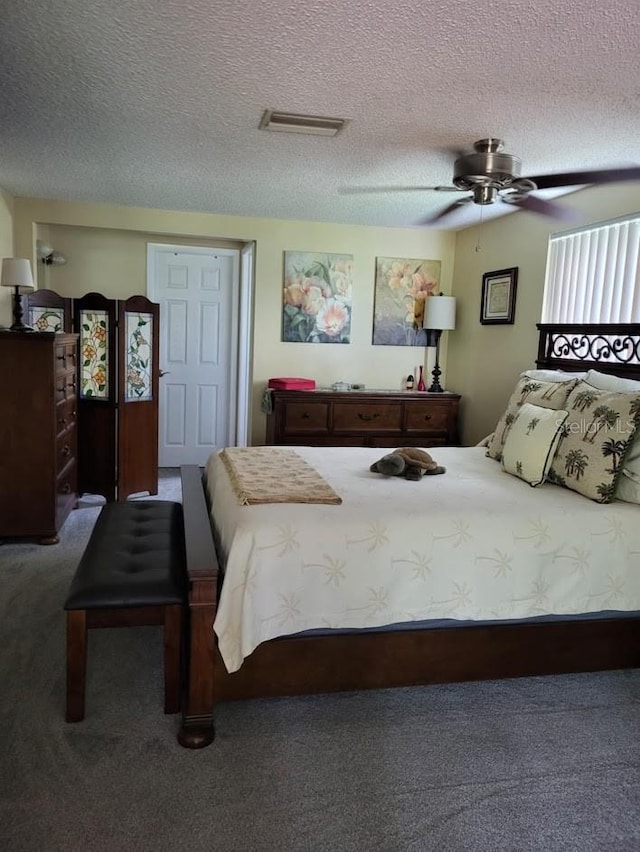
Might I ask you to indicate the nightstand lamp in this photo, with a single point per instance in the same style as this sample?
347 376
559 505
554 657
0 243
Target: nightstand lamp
439 316
16 273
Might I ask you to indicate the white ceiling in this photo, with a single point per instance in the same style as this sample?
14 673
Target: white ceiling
156 103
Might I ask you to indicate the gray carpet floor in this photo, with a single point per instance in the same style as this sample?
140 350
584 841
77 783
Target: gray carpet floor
531 764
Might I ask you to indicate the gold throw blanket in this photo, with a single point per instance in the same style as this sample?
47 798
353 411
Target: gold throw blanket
275 475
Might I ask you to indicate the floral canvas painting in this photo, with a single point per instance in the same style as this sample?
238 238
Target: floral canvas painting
317 297
402 285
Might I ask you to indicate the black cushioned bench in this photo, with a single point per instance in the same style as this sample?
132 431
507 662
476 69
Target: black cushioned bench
132 573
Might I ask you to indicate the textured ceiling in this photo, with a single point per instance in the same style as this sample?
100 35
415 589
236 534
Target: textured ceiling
157 103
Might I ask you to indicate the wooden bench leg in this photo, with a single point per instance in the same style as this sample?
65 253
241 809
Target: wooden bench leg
76 663
173 617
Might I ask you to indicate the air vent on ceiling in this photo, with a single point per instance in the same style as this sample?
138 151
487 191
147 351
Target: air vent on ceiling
291 122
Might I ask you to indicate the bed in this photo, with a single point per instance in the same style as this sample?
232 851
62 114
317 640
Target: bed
529 597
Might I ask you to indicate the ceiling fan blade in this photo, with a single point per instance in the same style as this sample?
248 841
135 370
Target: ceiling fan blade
545 208
461 202
359 190
594 176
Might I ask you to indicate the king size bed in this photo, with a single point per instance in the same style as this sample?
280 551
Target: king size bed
470 575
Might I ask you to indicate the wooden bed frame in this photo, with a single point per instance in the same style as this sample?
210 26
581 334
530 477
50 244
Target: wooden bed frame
307 664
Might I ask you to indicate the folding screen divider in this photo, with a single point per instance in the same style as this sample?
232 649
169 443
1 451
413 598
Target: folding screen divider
117 387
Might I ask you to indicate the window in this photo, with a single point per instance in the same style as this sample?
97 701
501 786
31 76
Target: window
593 274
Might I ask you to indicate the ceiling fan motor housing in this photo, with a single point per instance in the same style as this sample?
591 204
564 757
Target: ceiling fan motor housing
488 165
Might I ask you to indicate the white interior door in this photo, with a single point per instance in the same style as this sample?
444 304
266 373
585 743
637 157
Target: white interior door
195 288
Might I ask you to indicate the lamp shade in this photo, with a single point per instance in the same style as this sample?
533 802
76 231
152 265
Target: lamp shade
16 272
439 313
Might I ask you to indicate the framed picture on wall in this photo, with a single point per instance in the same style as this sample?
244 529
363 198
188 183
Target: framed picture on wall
317 297
402 285
498 303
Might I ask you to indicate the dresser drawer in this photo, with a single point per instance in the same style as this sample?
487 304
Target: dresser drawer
366 416
66 416
66 358
65 450
301 417
65 386
427 417
329 418
66 492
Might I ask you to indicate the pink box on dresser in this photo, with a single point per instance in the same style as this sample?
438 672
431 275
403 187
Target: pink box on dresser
290 383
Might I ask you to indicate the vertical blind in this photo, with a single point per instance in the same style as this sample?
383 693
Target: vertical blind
593 275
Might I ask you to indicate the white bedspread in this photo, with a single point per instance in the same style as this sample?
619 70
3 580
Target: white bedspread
474 543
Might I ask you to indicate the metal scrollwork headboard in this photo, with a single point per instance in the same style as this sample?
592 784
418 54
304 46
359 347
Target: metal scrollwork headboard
613 348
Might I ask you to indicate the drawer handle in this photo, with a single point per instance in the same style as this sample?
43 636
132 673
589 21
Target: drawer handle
62 358
306 415
368 417
66 450
427 417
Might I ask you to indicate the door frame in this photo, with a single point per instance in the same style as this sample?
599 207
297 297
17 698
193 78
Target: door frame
241 313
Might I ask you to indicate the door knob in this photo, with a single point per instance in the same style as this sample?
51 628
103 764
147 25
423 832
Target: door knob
162 373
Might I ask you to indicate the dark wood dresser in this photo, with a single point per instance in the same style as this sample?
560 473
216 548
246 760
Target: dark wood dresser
38 442
363 418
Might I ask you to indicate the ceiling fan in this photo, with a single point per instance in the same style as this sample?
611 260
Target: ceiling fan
488 174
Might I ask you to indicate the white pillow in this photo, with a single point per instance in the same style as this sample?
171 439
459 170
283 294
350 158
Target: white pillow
628 487
603 381
532 442
552 375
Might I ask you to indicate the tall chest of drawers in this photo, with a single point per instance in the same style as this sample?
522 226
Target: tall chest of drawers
38 438
363 418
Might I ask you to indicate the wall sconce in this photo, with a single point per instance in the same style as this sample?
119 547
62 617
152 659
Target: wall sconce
48 255
439 316
16 273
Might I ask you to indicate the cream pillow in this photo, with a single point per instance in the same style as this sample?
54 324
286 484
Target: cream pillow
532 442
546 394
596 438
603 381
552 375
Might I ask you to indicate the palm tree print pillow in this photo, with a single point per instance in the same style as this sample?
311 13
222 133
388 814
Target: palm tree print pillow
551 395
531 444
596 437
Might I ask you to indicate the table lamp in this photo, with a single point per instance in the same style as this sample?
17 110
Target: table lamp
439 316
16 273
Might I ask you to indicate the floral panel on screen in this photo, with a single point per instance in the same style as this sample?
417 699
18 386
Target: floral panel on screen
46 319
139 331
317 297
94 327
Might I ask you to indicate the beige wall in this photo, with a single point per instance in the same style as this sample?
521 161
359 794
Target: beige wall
485 360
105 247
6 250
106 250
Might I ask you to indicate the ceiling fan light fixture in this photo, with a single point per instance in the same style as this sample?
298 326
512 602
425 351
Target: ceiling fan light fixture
291 122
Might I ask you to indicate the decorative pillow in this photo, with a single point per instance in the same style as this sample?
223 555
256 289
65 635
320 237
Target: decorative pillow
545 394
532 442
485 441
596 437
628 487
